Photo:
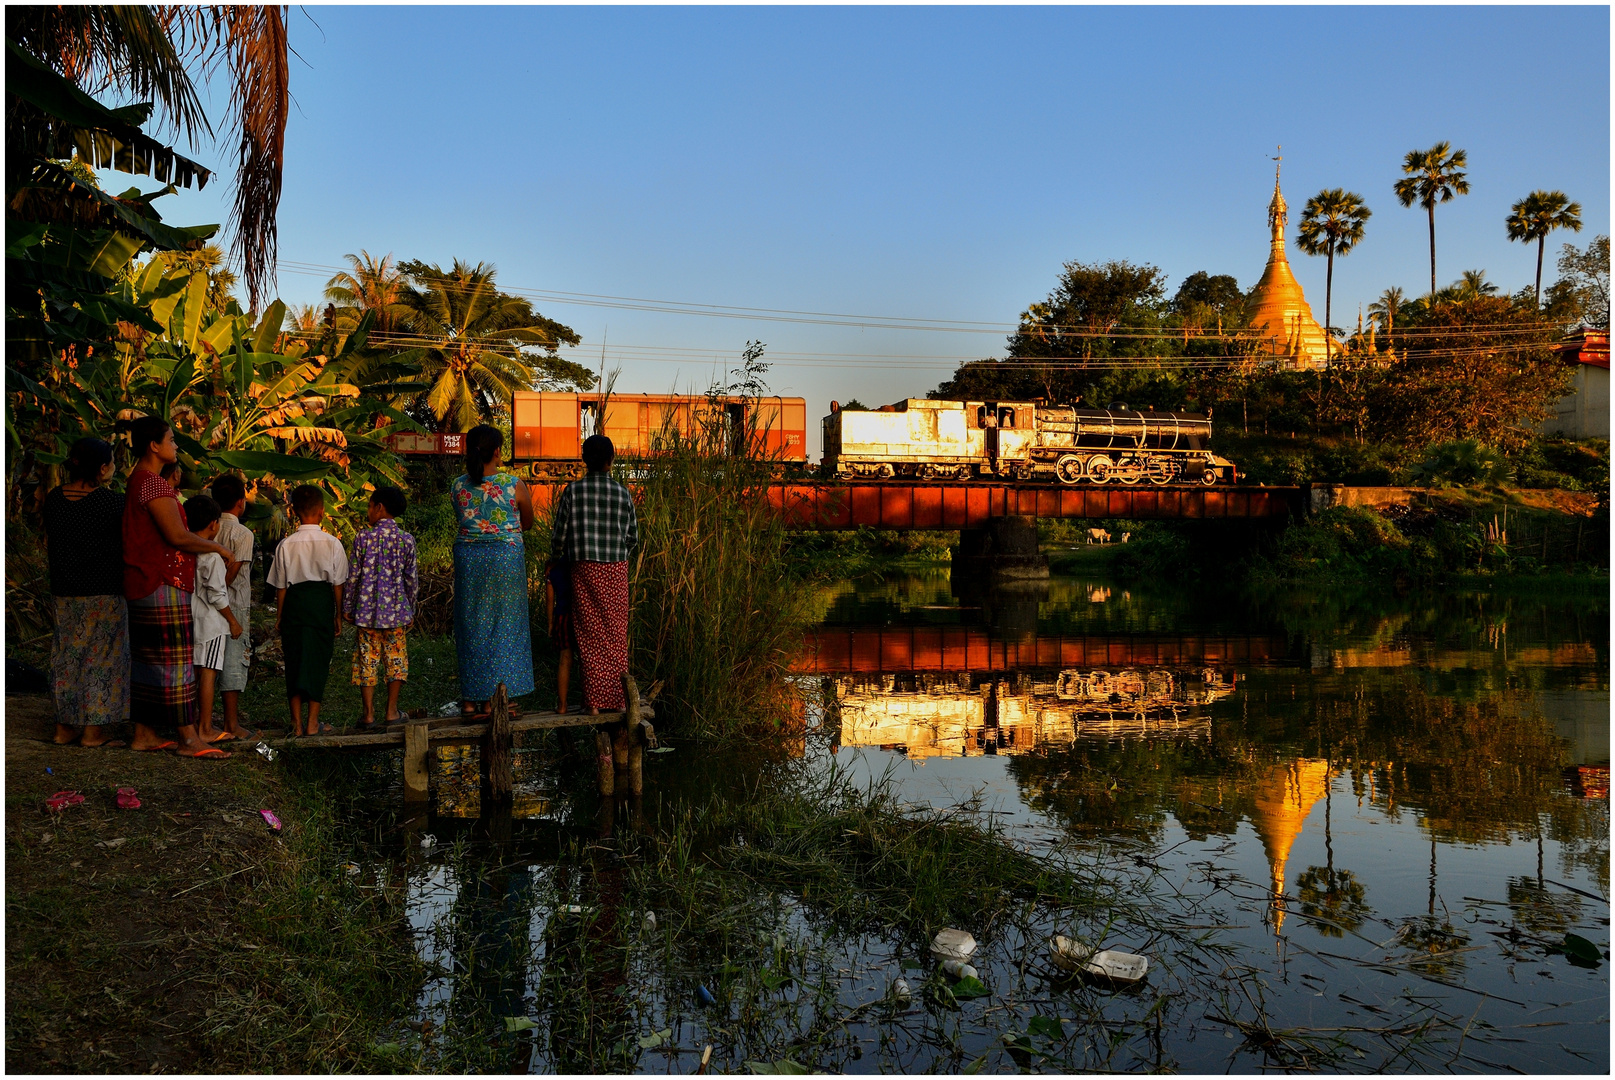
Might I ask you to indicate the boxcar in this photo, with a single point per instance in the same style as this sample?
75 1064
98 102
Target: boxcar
550 427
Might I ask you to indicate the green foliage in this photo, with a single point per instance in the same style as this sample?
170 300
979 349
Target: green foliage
1563 464
1462 462
1581 295
842 552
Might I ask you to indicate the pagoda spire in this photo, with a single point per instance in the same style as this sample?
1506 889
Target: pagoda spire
1277 210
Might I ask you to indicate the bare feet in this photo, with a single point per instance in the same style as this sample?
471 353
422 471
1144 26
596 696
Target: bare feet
65 735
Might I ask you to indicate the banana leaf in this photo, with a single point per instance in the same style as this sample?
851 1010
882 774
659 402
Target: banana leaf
257 462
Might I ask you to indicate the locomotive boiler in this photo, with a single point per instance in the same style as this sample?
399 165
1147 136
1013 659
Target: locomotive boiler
1022 440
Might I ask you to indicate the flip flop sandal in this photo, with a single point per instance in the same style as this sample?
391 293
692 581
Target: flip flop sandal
223 736
169 745
208 752
325 729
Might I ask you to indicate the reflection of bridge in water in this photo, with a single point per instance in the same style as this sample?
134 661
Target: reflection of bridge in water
864 650
926 716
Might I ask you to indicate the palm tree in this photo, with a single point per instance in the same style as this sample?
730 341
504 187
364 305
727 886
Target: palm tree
1537 215
1387 308
221 280
370 286
1472 286
1331 224
302 319
1434 175
141 53
476 339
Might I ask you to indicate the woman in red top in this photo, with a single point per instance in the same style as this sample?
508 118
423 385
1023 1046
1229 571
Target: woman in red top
159 575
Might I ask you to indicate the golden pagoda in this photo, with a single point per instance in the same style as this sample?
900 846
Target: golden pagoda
1283 801
1277 305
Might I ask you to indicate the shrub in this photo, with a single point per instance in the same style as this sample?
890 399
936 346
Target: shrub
1461 462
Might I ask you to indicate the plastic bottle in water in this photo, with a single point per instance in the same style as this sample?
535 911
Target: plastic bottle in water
958 969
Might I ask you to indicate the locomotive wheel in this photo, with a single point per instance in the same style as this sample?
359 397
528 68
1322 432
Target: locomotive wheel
1101 470
886 471
1069 469
1209 477
1159 471
1023 472
928 472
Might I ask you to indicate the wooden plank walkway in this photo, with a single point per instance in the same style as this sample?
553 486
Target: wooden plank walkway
621 749
441 729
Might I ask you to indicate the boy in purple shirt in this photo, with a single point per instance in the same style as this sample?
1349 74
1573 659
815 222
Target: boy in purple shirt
380 602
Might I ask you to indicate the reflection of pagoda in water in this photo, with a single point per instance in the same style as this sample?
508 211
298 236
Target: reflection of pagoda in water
1283 799
928 716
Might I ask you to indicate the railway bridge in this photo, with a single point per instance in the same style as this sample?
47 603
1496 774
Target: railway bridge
832 505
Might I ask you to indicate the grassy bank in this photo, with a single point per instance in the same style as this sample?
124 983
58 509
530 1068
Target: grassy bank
186 936
1474 533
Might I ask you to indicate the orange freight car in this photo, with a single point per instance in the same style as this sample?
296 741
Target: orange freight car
550 427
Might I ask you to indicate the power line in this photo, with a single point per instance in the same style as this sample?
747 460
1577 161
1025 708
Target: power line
818 318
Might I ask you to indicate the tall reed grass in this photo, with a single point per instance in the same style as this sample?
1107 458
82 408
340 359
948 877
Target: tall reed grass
718 613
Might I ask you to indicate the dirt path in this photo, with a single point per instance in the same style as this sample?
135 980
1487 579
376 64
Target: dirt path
122 926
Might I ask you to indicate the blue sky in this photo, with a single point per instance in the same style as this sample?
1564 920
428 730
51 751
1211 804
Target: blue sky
927 163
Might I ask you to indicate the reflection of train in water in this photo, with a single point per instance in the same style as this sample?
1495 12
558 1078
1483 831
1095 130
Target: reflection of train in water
932 716
963 440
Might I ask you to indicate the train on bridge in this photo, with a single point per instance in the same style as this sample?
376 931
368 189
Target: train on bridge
1021 440
915 440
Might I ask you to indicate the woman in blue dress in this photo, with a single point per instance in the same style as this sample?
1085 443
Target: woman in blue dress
491 621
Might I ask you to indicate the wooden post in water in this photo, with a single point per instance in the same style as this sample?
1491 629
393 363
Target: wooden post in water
416 746
497 747
604 771
636 735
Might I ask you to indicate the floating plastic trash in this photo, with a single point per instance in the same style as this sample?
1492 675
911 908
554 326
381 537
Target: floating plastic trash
62 800
569 909
953 944
650 922
350 869
127 800
520 1023
428 840
958 969
1071 955
705 996
901 991
270 819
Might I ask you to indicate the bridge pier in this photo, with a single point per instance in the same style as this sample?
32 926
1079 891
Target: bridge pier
1004 550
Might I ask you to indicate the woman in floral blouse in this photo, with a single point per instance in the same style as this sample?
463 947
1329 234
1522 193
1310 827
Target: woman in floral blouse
491 621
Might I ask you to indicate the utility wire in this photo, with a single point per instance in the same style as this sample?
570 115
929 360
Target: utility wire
886 322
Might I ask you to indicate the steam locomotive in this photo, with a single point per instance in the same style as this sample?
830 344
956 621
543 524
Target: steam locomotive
1023 440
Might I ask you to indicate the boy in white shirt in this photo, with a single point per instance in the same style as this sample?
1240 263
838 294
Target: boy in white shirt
211 618
307 576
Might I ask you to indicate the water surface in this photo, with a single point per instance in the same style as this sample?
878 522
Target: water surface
1387 812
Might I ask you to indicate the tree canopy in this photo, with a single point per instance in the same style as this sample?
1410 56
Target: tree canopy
480 345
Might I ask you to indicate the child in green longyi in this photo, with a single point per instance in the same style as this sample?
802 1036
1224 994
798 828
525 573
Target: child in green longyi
309 570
